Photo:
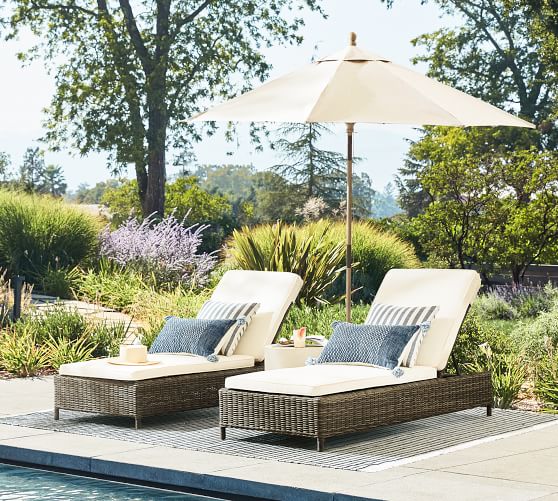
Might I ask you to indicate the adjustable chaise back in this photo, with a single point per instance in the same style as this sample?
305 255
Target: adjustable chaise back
451 290
275 291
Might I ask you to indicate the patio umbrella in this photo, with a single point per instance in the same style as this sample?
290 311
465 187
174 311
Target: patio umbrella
356 86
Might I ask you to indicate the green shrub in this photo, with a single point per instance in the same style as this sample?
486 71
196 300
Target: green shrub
111 285
55 337
508 373
38 232
546 380
475 333
534 335
106 337
58 282
492 307
63 350
280 247
375 252
318 319
20 354
57 323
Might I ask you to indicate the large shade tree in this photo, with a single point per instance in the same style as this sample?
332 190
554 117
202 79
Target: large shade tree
128 72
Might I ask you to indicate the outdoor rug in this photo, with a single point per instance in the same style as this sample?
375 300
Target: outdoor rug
372 451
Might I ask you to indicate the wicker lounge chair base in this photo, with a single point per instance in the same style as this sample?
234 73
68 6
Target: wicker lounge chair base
351 412
144 398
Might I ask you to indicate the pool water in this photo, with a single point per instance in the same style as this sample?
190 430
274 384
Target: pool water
27 484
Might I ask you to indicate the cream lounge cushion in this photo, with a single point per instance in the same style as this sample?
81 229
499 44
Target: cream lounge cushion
452 290
274 291
170 365
324 379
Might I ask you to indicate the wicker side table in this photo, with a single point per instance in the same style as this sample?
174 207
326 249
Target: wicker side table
283 357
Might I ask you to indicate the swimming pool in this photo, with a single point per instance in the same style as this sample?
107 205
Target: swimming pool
17 483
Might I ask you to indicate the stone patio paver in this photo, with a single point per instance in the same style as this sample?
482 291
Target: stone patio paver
442 486
314 477
18 396
534 467
8 432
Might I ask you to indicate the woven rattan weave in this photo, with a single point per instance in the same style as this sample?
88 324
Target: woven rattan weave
355 411
139 399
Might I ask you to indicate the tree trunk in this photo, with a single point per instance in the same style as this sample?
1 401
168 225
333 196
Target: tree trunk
141 177
154 201
517 271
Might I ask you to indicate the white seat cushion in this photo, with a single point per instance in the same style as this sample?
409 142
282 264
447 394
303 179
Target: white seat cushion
274 291
451 290
325 379
170 365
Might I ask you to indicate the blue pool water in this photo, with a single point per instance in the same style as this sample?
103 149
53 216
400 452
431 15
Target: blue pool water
28 484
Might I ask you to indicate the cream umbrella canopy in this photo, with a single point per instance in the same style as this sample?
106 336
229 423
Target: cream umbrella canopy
356 86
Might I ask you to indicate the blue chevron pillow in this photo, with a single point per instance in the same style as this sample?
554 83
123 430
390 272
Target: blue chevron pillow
191 335
379 345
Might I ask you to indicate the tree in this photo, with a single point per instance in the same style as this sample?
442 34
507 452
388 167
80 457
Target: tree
384 204
5 163
32 169
499 53
234 181
186 200
275 198
494 210
363 195
86 195
314 171
128 73
52 181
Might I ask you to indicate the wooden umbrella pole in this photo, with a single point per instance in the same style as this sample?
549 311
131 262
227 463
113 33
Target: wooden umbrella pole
349 223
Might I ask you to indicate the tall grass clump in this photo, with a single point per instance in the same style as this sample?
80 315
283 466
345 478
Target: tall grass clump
280 247
38 233
375 252
322 245
48 339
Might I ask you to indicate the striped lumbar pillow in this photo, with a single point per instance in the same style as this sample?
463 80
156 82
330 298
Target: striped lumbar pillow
388 314
212 310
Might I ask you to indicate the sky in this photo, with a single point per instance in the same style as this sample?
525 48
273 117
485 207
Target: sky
26 91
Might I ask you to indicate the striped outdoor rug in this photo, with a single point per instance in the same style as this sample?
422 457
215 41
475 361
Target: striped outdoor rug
378 449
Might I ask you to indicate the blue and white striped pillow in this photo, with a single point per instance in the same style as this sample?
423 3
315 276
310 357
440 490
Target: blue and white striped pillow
388 314
212 310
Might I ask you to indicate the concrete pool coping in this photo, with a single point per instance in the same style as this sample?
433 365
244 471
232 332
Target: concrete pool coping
519 467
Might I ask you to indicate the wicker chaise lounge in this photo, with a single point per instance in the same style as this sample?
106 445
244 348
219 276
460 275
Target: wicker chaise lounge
179 382
322 401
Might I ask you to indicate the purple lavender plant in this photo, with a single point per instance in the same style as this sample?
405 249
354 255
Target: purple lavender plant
165 250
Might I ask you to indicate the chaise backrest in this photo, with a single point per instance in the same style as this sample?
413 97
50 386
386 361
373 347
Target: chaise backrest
275 291
451 290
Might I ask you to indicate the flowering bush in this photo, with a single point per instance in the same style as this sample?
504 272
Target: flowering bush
164 250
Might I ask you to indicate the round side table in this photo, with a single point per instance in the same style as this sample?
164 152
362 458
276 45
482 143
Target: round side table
283 357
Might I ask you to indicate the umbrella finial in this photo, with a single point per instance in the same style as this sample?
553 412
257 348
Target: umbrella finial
352 38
